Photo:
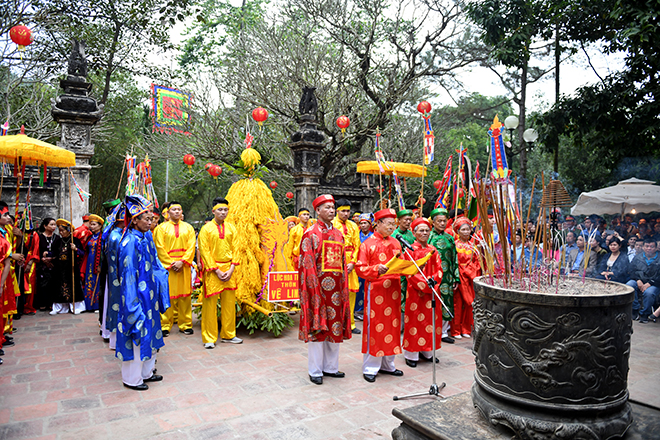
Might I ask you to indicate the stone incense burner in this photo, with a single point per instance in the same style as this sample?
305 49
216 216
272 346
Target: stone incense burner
554 365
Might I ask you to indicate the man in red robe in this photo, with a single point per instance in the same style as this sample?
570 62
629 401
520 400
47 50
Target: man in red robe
418 333
325 318
381 337
83 233
7 297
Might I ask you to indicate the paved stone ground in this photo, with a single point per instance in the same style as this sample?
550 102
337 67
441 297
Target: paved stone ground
60 381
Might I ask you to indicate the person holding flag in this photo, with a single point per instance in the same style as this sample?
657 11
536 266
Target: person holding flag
381 339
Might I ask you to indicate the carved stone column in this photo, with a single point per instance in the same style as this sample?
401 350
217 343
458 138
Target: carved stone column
306 145
77 113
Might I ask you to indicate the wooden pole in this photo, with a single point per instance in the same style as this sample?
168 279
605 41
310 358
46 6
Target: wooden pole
120 179
73 255
2 179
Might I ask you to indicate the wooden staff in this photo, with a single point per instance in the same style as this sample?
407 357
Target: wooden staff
120 179
2 179
73 255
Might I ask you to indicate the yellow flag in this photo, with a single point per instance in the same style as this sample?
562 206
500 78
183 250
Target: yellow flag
397 266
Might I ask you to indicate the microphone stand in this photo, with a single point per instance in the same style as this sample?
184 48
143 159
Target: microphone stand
434 390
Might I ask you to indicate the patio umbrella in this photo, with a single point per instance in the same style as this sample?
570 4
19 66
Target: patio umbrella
640 195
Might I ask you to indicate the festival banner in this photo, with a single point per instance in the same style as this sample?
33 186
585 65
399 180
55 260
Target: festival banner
170 110
283 286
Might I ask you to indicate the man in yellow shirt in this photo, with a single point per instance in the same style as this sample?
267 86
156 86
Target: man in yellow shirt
175 243
292 247
351 232
215 243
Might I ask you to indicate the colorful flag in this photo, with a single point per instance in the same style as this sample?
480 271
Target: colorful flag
397 186
498 154
4 129
170 110
380 158
429 141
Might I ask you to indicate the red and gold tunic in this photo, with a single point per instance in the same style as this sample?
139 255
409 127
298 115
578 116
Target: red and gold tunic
468 268
7 298
382 294
83 234
418 334
325 311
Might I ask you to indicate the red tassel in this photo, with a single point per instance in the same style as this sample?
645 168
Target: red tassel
16 167
45 173
23 170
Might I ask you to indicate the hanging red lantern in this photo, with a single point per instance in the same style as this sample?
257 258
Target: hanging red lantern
260 115
343 122
189 160
273 184
215 171
437 184
207 166
289 195
424 107
21 35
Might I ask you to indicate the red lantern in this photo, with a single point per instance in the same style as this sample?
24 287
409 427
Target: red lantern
189 160
424 107
207 166
260 115
437 184
140 168
215 171
289 195
343 122
273 184
21 35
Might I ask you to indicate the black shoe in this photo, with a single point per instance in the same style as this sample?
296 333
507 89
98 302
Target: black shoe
8 343
153 378
8 338
31 313
337 374
0 361
2 352
653 318
106 340
448 340
166 333
424 358
141 387
411 364
187 331
643 321
316 380
369 377
635 316
359 317
392 373
356 331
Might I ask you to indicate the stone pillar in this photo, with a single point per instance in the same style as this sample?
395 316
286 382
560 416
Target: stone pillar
306 145
77 113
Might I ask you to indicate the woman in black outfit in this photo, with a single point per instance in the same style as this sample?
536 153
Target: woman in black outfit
614 266
49 245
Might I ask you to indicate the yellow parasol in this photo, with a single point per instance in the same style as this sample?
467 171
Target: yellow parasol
34 152
402 169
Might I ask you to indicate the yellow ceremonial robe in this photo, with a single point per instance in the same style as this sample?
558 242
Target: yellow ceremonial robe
215 244
351 232
176 242
292 247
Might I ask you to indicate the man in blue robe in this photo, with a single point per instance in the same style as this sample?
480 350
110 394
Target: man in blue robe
111 238
144 295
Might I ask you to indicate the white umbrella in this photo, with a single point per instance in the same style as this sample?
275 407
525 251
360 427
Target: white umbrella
640 195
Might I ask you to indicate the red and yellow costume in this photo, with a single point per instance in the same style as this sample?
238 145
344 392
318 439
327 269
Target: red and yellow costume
351 233
7 298
323 288
215 243
418 320
382 319
83 234
468 268
175 241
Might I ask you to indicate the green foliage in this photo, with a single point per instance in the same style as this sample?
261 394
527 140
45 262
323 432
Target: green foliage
275 324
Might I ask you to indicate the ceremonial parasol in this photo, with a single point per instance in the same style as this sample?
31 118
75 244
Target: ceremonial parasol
34 152
402 169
